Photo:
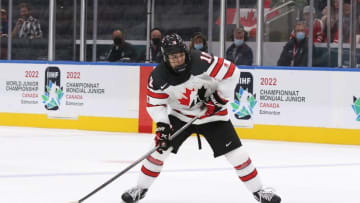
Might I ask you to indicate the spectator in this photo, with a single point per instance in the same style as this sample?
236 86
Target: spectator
3 33
346 22
26 27
121 50
155 50
198 42
295 52
333 30
317 24
334 20
4 23
239 52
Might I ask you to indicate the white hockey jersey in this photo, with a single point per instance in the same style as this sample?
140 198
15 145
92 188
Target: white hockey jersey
182 95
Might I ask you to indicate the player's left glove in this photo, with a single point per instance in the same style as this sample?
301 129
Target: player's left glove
214 103
162 138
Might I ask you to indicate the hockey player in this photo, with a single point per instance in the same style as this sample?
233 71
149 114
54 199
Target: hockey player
178 90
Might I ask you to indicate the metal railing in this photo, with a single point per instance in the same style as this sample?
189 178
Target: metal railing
288 7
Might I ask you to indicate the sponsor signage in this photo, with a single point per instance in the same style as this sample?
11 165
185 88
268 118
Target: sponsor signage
68 91
297 98
282 97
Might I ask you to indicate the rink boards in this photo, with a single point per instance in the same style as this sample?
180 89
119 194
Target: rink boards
303 104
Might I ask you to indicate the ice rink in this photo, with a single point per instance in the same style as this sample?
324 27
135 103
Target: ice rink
60 166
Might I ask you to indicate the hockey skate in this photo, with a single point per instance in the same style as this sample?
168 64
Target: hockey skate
133 195
267 196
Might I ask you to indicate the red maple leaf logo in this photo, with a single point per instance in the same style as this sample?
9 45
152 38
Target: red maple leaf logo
186 100
249 20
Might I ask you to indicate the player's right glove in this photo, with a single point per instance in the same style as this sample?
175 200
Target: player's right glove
214 103
162 138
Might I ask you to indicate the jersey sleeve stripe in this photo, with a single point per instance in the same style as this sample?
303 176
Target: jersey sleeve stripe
212 65
155 105
155 101
230 71
216 69
223 70
157 95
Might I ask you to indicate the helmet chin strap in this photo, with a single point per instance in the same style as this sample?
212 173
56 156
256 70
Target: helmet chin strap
181 68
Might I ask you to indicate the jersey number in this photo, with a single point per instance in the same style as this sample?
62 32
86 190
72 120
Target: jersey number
206 57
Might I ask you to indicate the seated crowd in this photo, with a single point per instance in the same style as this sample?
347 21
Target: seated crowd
294 53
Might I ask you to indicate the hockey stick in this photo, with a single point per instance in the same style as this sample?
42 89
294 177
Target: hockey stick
136 162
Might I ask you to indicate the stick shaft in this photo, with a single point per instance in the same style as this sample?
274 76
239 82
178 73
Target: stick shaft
119 174
137 161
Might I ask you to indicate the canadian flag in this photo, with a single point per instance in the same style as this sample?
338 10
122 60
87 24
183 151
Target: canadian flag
248 16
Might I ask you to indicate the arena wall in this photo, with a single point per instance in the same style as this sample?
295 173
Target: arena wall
319 105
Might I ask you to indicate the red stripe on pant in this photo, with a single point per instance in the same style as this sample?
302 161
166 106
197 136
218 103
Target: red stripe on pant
149 173
250 176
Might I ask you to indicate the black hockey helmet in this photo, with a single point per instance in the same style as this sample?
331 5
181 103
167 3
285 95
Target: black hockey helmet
171 44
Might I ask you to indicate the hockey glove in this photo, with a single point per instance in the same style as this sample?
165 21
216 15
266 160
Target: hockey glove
214 103
162 138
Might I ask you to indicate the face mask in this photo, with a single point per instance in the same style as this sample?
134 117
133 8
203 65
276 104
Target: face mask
300 35
156 41
238 42
118 41
198 46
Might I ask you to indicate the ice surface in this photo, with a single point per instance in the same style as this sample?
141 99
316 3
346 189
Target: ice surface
60 166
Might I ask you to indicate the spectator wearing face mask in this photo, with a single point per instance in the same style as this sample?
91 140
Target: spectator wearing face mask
198 42
239 52
295 51
155 50
121 50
